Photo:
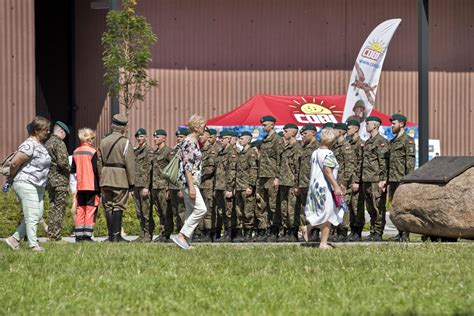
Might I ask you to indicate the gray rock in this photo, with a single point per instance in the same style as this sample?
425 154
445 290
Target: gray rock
436 210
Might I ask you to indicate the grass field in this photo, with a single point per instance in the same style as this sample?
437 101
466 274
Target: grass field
104 278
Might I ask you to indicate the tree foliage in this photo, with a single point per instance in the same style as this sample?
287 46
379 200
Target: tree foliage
127 53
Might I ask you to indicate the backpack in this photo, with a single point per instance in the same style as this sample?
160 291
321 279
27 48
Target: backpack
5 165
171 171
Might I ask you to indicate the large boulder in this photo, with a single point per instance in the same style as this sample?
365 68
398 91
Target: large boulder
436 210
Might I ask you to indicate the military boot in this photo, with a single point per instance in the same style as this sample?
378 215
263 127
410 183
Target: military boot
247 235
272 234
217 235
227 235
161 238
397 237
314 237
239 236
206 236
261 236
147 237
374 237
284 236
117 227
293 234
341 235
109 220
405 237
356 234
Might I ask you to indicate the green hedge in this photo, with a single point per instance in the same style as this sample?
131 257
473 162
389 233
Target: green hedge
10 215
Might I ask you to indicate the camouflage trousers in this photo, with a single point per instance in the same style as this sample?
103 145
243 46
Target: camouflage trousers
266 203
208 220
357 209
300 204
177 208
58 200
375 201
289 214
165 213
144 212
224 210
244 209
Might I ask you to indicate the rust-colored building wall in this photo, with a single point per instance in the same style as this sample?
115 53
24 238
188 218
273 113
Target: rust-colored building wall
17 72
212 55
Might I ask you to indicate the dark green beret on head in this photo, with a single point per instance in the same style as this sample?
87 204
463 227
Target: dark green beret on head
308 127
119 119
328 124
290 125
212 131
398 117
353 123
245 133
160 132
341 126
63 126
268 118
373 118
183 131
226 132
140 131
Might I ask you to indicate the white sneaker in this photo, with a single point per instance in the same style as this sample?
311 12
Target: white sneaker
13 243
37 248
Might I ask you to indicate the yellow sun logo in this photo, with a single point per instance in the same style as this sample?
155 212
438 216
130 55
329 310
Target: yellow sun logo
311 108
377 46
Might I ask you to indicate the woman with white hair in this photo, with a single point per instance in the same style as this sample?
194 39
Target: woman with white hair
324 192
190 166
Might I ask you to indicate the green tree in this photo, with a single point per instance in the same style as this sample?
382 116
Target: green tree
127 53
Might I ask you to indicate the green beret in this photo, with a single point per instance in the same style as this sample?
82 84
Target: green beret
245 133
119 119
226 132
256 143
340 126
183 131
373 118
353 123
290 125
160 132
398 117
268 118
212 131
280 133
308 127
360 104
63 126
140 131
328 124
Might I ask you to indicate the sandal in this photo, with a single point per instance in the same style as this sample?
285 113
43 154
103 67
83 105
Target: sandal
325 246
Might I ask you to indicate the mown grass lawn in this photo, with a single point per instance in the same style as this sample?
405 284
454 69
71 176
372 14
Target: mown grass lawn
104 278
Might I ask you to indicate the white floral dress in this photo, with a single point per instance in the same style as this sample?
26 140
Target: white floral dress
320 206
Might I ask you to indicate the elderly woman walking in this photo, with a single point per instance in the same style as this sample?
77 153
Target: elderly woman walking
30 165
324 192
190 178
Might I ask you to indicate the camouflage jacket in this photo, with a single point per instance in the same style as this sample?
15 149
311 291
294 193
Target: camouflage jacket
226 162
289 164
172 186
143 156
270 155
345 156
305 163
247 169
58 176
401 157
208 166
374 162
357 146
160 159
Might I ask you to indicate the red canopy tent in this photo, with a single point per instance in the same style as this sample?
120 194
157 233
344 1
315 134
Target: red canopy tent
298 109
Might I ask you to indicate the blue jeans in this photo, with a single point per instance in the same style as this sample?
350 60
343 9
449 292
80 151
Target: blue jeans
32 204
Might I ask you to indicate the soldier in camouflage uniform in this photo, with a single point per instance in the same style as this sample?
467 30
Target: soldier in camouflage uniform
176 201
310 144
374 175
401 161
245 187
289 167
207 187
141 192
269 180
356 204
58 180
162 155
226 162
345 156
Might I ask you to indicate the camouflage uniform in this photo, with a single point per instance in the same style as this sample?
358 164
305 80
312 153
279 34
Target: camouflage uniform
304 177
176 203
374 169
246 177
356 203
345 156
143 207
289 167
160 159
207 189
58 184
269 169
401 162
226 161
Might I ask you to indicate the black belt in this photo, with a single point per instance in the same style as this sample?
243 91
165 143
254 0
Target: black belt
115 165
